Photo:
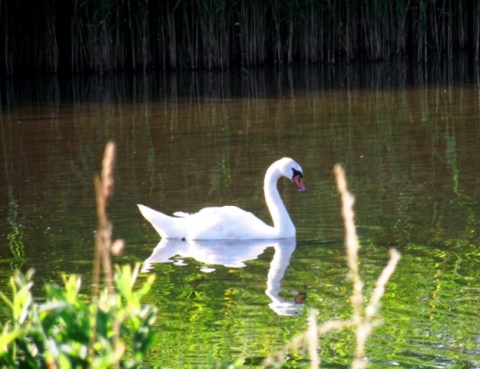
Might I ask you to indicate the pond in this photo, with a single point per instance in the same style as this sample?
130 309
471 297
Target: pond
407 137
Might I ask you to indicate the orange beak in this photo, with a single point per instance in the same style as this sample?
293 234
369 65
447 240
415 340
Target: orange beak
297 179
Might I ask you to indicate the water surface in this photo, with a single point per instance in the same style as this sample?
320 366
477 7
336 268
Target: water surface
407 137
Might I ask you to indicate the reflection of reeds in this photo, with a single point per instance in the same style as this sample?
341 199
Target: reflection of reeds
104 36
364 316
15 233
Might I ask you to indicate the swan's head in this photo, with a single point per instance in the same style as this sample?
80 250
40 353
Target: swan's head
291 169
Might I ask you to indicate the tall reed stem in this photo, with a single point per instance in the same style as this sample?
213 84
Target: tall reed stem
103 242
363 318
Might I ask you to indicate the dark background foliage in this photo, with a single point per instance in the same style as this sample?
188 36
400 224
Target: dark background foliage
101 36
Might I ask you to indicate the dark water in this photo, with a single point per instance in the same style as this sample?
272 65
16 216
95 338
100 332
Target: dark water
407 137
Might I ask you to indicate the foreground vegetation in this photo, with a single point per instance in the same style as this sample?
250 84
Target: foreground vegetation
67 331
112 330
106 35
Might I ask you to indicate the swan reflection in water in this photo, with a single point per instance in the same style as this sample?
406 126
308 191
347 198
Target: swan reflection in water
234 254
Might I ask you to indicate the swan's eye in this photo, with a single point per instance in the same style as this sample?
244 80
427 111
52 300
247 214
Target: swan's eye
297 173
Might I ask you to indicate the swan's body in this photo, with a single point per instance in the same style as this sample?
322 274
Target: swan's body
231 222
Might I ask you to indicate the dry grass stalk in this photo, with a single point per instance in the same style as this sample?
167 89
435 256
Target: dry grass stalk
103 190
364 316
382 280
351 241
103 239
312 339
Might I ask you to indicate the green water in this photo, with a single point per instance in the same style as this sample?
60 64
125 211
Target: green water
407 138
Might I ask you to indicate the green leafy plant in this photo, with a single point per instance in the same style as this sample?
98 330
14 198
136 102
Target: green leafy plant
57 332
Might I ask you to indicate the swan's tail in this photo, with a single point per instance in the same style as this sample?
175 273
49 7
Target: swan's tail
165 225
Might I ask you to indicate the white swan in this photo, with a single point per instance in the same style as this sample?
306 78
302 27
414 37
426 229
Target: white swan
231 222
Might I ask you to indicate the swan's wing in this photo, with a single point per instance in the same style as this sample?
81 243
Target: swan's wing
228 222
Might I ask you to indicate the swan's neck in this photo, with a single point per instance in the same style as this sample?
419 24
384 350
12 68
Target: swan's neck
281 220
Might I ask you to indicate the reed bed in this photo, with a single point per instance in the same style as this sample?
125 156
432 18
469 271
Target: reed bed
103 36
